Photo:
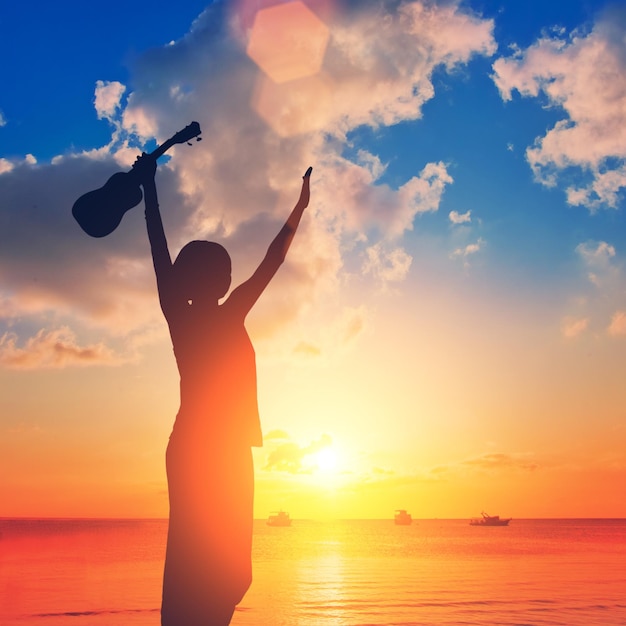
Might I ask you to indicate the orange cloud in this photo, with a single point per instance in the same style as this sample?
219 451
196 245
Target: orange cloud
495 461
276 434
288 457
618 324
307 349
572 327
52 349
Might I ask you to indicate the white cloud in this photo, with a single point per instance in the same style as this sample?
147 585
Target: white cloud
352 191
387 265
381 62
139 121
465 253
469 249
605 187
596 253
598 257
3 121
239 184
584 75
460 218
604 298
372 163
108 98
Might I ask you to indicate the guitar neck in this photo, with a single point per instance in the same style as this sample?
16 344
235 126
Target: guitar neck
189 132
163 148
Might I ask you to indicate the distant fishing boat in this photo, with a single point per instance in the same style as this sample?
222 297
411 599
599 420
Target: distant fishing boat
279 519
489 520
402 518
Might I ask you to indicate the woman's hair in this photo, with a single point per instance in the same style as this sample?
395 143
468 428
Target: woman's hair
203 268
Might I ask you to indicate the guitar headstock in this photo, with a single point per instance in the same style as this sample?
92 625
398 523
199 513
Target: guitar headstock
182 136
187 133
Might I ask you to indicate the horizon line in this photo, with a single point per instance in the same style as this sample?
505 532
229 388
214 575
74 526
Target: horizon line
300 519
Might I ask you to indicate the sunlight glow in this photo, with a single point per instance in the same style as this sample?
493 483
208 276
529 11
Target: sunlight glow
326 460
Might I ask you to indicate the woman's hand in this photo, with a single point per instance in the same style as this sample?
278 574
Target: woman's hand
303 201
145 168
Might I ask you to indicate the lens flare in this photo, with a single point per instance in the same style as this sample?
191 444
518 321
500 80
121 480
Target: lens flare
288 41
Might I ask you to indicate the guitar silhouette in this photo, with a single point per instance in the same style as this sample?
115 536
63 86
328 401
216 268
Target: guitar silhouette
100 212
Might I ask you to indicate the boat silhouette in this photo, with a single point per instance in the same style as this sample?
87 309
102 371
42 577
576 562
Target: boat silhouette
402 518
489 520
281 518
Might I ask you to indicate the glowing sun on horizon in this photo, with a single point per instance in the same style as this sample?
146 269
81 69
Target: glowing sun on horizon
326 460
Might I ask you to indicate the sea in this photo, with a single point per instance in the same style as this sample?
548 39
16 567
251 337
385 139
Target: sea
68 572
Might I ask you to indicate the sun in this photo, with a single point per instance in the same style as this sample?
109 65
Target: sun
326 460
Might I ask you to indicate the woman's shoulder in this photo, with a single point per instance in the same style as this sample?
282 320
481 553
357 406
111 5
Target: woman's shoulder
186 315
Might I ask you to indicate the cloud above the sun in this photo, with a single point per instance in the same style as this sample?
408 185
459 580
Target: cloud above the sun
291 457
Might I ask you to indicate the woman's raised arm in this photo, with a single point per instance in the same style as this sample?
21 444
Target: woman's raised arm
244 296
145 167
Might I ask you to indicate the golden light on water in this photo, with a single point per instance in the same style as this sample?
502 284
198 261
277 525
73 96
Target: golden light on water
288 41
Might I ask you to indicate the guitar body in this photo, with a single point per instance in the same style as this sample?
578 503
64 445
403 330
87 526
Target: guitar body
99 212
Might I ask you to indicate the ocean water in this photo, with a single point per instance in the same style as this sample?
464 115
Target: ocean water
370 572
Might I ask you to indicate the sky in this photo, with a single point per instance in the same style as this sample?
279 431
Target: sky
448 333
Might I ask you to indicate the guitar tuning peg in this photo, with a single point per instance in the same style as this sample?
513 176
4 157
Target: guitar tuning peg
198 138
189 143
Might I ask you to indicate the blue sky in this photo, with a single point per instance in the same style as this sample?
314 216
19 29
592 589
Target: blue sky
468 195
57 51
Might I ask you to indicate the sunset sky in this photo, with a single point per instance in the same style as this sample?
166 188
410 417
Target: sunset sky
448 333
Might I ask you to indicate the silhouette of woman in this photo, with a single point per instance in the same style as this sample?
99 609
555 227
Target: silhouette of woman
209 460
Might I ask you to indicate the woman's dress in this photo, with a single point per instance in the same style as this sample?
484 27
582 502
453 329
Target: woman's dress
209 468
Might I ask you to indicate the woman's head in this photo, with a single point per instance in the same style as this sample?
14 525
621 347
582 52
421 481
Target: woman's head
203 270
